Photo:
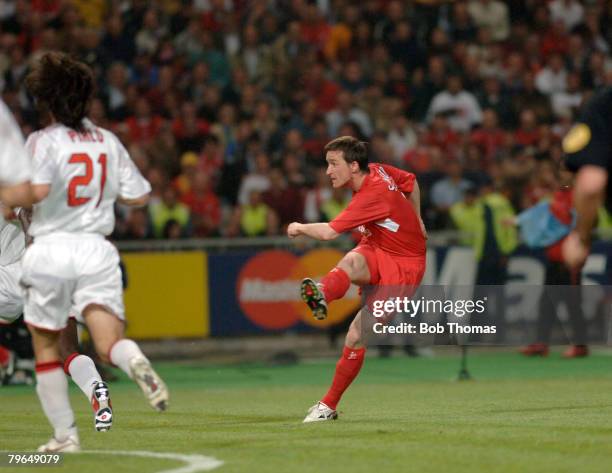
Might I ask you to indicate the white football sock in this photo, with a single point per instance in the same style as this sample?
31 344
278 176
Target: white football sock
52 390
122 352
84 374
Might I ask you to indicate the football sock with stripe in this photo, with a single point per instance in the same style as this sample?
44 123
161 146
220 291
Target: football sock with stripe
52 390
83 372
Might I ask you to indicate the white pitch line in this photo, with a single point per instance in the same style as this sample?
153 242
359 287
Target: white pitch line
193 462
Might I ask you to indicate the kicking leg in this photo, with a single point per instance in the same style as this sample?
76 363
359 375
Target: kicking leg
353 267
107 333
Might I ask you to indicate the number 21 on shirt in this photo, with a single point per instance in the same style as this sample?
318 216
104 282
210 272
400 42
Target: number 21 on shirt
85 179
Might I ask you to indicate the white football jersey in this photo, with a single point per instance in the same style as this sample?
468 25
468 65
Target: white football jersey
14 162
87 172
12 242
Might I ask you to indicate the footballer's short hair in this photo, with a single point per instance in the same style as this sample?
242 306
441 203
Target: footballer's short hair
62 86
352 149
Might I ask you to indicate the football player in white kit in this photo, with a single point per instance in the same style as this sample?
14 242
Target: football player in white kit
79 172
15 169
80 367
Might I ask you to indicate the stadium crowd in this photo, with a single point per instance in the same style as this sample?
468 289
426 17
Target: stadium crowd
225 105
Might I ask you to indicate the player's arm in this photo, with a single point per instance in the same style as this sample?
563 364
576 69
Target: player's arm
15 167
362 209
40 192
318 231
415 198
17 195
134 189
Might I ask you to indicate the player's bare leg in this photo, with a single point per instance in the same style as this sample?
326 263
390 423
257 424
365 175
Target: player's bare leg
83 371
52 390
107 333
352 268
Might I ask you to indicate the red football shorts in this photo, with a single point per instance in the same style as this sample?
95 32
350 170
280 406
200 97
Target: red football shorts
390 270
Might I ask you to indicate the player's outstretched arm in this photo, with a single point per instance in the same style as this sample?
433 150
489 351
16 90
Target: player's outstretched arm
318 231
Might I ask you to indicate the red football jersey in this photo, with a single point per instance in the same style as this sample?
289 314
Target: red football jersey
383 214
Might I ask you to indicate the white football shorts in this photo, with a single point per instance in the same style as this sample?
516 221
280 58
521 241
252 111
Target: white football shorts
63 271
11 293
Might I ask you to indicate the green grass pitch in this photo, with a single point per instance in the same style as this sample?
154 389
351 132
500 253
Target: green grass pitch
401 415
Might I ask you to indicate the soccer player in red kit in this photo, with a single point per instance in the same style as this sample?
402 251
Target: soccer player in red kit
386 209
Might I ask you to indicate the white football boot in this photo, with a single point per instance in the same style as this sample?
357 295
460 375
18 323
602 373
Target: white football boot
70 444
150 383
320 412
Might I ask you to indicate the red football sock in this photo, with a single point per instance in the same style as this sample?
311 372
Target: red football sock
347 369
335 284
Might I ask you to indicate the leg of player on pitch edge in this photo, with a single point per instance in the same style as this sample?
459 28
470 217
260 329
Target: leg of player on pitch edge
352 268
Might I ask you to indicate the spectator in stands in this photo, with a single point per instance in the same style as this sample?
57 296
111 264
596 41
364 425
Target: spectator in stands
461 26
293 171
257 180
286 202
493 97
491 14
442 136
210 160
489 137
189 166
567 102
553 77
569 12
135 226
337 202
189 129
457 104
528 132
169 209
530 97
402 137
204 206
346 111
253 219
449 190
466 216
